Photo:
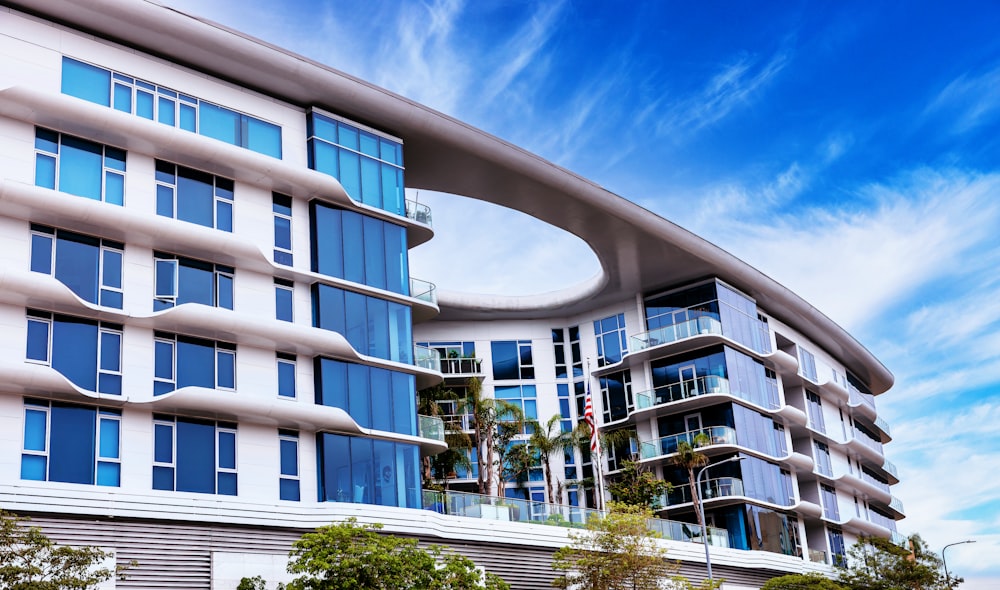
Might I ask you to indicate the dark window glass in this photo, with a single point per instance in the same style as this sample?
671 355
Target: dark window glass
74 350
195 363
283 303
71 449
374 397
286 377
371 325
195 457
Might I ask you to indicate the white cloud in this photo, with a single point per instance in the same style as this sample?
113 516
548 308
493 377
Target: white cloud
969 100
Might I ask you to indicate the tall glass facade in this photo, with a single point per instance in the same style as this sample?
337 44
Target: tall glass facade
374 397
720 369
367 471
373 326
361 249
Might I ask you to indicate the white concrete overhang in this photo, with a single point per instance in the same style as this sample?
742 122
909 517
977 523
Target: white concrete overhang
639 251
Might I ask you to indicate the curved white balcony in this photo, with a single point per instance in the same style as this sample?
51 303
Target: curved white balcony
105 125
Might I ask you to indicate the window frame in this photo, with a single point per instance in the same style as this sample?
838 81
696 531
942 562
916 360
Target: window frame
279 200
219 350
219 196
107 171
169 296
100 415
288 360
282 285
289 436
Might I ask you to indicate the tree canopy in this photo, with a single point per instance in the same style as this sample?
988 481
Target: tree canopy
350 556
29 560
637 486
875 563
801 582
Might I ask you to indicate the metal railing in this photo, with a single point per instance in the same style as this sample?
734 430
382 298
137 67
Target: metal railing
675 332
427 358
868 441
897 505
419 212
681 390
717 435
423 290
890 467
899 539
883 425
710 488
857 397
461 366
882 521
528 511
875 482
457 421
431 427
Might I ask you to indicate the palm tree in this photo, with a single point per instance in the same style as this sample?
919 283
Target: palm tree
687 457
510 461
488 417
547 442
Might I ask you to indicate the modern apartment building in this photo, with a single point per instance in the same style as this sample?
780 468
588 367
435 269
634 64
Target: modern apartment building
209 323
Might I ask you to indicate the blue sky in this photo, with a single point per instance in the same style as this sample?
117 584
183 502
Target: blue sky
850 150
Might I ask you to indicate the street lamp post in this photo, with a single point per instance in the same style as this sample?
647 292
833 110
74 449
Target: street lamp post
947 578
701 509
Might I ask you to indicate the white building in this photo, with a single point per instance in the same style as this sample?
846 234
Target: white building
209 320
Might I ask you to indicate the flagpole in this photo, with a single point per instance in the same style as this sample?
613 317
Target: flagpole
595 445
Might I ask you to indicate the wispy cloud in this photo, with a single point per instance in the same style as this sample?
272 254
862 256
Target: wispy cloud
735 85
970 100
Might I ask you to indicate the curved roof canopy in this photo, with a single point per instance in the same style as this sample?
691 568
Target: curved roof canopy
638 250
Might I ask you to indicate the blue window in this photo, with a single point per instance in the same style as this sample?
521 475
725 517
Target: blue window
522 396
612 342
837 552
281 205
565 411
71 444
87 352
194 196
368 166
512 360
150 101
814 407
90 267
361 249
79 167
288 483
807 365
831 508
374 397
373 326
286 375
616 393
283 296
183 280
182 361
192 455
367 471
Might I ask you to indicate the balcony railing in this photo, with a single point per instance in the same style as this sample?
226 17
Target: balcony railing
899 539
868 441
419 212
883 425
682 390
882 521
897 505
427 358
675 332
717 435
518 510
857 397
719 487
457 421
817 556
431 427
423 290
879 484
890 467
462 366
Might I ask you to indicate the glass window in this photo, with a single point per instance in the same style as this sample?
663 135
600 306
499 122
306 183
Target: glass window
283 296
363 471
361 249
282 208
85 81
238 129
192 455
512 360
86 352
612 341
815 410
184 280
79 167
369 167
522 396
616 393
831 508
182 361
288 483
807 366
194 196
374 397
373 326
286 375
70 443
90 267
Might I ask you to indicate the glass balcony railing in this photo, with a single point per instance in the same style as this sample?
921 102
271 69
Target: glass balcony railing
682 390
719 487
890 467
457 421
859 398
431 427
419 212
518 510
427 358
899 539
675 332
717 435
462 366
883 425
882 521
897 505
868 441
879 484
423 290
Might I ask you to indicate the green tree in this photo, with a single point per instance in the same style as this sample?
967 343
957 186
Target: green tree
440 466
617 552
349 556
688 458
811 581
511 460
875 563
549 441
637 486
29 560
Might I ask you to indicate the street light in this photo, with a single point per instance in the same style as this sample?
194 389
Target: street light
701 509
947 578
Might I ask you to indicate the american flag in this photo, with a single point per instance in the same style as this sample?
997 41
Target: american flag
588 417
